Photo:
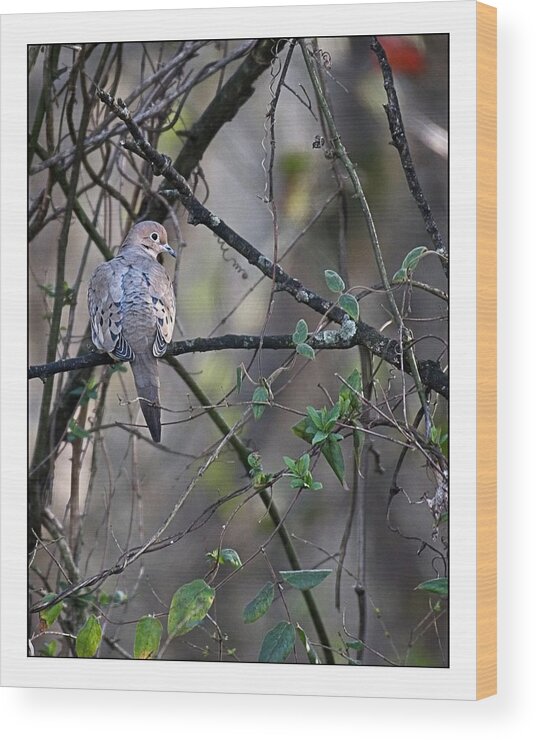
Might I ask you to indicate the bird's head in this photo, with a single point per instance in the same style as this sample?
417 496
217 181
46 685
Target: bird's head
151 236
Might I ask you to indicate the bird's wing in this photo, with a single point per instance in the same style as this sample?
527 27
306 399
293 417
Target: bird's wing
105 303
163 299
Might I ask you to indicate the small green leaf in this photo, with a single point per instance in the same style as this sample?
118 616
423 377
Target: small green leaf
300 430
331 449
258 606
189 606
147 640
400 276
48 616
278 643
49 649
334 281
290 463
231 556
260 397
349 395
227 555
412 259
438 586
304 579
333 415
89 638
76 431
355 645
349 304
309 649
306 351
316 486
355 381
319 437
315 416
304 462
300 332
254 461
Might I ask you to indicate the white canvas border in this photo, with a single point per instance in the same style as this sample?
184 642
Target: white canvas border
459 20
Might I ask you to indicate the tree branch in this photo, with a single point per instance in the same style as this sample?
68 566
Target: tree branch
432 375
398 134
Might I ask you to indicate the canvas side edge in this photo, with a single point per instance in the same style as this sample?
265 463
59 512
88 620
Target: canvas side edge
486 628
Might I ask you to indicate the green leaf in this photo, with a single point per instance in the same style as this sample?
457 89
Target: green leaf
349 393
290 463
349 304
304 579
147 640
231 556
89 638
227 555
278 643
316 486
254 461
400 276
355 381
258 606
412 259
260 397
319 437
334 281
309 649
438 586
300 430
76 431
333 415
304 462
48 616
355 645
306 351
315 416
331 449
189 606
49 649
300 332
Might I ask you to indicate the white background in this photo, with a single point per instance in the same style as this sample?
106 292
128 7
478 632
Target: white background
147 714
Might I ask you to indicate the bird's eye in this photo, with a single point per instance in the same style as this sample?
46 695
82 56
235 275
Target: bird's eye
154 236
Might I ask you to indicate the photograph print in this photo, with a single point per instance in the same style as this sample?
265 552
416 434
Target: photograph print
238 349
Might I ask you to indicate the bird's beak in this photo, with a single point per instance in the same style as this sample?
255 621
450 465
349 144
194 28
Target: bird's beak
169 250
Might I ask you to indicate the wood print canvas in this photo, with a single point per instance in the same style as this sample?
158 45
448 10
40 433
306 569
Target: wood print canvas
283 206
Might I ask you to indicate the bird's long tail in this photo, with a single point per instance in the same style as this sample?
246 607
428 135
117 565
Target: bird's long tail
145 371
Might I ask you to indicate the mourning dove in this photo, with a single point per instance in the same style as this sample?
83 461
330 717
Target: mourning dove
132 311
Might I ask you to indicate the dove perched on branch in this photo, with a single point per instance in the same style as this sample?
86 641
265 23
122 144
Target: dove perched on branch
132 310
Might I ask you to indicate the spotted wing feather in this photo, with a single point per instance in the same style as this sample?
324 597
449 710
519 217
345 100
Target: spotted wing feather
105 303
